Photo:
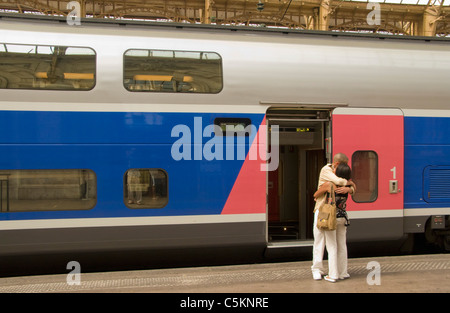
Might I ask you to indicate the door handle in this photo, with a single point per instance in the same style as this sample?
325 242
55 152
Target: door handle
393 186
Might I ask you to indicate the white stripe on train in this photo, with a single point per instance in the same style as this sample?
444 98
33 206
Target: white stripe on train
195 219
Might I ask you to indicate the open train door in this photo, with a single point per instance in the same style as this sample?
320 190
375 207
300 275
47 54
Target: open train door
373 140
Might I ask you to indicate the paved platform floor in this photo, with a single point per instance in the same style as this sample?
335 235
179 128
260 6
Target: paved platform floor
405 274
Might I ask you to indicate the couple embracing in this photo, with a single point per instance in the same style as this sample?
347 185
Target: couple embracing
338 175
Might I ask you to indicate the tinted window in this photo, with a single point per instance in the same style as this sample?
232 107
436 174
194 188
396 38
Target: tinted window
365 175
47 190
172 71
145 188
233 126
46 67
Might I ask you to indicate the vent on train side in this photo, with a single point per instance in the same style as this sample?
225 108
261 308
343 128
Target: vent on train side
436 184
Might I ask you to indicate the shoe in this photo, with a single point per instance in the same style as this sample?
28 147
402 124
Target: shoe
347 276
328 278
317 276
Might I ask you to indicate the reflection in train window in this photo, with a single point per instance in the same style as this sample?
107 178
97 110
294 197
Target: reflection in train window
46 67
145 188
47 190
365 176
172 71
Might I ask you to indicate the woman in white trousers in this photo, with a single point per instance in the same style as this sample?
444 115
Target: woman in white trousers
336 243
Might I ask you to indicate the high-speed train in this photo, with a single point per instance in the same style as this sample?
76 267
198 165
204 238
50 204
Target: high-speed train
122 135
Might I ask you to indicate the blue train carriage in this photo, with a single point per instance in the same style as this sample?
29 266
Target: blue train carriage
114 135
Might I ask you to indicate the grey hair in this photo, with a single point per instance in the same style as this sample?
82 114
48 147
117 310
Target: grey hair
340 158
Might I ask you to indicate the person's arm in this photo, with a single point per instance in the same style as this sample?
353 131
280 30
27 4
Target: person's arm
350 190
328 175
325 187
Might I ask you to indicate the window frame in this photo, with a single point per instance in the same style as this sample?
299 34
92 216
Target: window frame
169 91
141 206
233 121
36 47
375 191
5 176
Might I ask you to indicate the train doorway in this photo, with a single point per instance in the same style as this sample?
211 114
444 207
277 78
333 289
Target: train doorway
304 138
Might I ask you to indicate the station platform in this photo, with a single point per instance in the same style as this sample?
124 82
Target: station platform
394 274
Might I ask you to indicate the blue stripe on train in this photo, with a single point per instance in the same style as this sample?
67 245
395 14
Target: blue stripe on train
110 143
427 143
100 127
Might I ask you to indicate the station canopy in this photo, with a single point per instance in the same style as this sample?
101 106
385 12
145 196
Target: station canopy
399 17
413 2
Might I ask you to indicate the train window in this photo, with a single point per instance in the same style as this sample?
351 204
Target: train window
233 126
172 71
47 190
46 67
145 188
365 175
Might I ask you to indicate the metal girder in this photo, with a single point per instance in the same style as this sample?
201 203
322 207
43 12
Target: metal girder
432 14
340 15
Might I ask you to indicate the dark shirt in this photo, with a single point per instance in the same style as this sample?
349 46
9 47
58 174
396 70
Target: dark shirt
341 205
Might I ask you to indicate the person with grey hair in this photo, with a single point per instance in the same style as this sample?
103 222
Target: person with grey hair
327 174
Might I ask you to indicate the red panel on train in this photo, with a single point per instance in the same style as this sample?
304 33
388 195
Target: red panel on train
248 194
374 142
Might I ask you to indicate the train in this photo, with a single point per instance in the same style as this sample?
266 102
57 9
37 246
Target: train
121 134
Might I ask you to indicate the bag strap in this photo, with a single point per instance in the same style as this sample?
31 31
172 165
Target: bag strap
333 199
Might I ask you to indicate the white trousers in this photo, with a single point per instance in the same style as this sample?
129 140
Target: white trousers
336 243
